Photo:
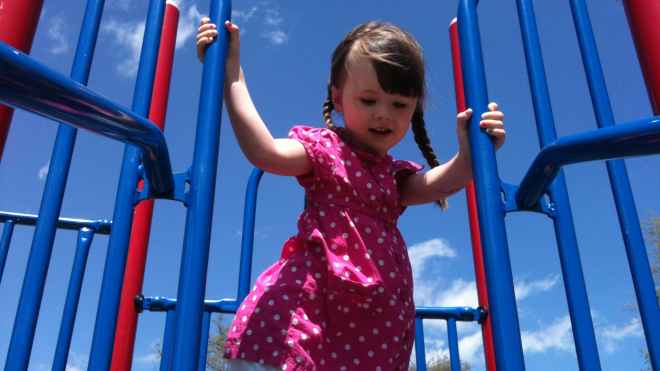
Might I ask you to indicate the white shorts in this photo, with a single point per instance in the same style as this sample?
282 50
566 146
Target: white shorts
241 365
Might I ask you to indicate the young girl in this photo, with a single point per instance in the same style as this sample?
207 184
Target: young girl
340 297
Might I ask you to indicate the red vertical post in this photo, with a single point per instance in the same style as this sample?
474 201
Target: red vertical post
18 24
486 331
643 17
122 356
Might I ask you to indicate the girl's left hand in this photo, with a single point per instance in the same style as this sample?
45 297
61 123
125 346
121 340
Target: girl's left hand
491 121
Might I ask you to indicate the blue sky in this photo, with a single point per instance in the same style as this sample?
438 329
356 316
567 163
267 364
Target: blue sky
286 49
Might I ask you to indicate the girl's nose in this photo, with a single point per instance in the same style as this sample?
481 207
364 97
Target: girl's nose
383 114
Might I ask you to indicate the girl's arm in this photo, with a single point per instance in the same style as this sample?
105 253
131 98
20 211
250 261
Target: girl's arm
276 156
449 178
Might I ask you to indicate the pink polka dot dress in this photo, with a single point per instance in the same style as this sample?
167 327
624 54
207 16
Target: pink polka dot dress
341 295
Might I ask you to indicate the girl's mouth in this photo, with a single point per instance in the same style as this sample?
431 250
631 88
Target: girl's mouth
380 131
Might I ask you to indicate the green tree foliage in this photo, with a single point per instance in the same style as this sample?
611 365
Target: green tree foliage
651 228
438 363
216 347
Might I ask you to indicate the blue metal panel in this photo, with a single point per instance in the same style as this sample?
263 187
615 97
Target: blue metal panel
85 236
247 243
452 336
115 263
29 304
503 312
205 341
625 204
194 261
420 351
7 231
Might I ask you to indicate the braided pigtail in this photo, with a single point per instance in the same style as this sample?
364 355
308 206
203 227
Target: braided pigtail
422 140
328 107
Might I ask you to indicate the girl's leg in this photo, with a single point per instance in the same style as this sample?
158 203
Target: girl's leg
241 365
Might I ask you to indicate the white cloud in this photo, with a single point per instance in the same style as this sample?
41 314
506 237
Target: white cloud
468 349
189 22
150 358
129 35
76 362
612 334
277 37
238 16
57 33
558 335
43 172
421 252
523 289
273 17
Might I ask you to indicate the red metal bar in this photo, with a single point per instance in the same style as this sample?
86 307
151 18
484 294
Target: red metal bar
18 24
122 356
643 17
486 331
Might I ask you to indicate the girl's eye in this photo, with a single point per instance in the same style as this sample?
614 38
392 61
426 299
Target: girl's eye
368 102
399 105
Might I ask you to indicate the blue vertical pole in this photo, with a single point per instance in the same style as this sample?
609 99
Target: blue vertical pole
7 231
625 204
249 216
576 291
85 236
29 303
452 336
205 341
115 262
499 279
194 261
167 341
420 351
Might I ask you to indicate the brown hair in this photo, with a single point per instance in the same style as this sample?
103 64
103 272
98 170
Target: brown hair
399 63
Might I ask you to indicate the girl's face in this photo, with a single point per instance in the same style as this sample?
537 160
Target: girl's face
371 116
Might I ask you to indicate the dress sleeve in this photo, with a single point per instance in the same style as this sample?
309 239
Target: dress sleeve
320 145
402 170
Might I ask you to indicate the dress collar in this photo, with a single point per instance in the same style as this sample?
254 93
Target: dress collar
365 152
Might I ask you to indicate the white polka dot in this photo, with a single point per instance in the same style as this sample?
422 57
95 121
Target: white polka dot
392 274
370 354
275 354
388 323
380 289
286 297
361 338
367 256
358 174
334 355
277 317
256 347
345 257
299 359
380 262
311 296
384 346
330 195
334 246
270 339
372 197
347 347
303 336
262 323
356 361
290 342
283 332
295 321
333 224
249 332
321 159
380 240
345 235
244 318
368 230
396 338
294 269
392 302
322 213
317 275
283 367
385 209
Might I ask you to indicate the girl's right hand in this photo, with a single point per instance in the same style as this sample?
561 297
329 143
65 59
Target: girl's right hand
207 33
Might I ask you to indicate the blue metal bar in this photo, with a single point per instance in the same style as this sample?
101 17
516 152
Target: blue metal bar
247 243
30 85
452 335
85 236
115 263
7 231
167 341
163 304
99 226
12 63
625 204
625 140
465 314
194 261
573 277
499 279
205 341
420 351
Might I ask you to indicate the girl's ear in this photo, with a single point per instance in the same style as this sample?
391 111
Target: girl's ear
336 100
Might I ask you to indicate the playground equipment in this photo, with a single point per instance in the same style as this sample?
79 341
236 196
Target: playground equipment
27 84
